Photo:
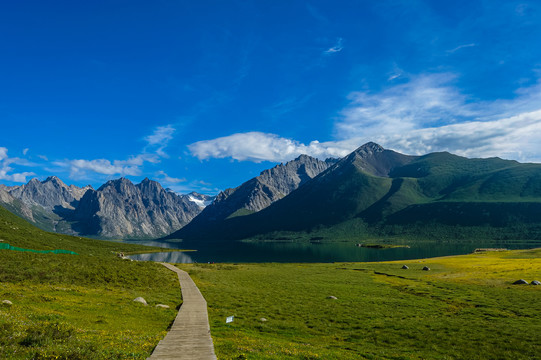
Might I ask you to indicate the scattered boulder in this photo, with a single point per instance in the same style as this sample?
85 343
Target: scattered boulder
332 297
163 306
535 282
262 319
426 268
405 267
140 300
7 302
520 282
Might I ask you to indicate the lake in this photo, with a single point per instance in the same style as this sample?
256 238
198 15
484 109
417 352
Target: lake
311 252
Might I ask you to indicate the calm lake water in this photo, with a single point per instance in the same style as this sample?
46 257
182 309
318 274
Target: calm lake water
311 252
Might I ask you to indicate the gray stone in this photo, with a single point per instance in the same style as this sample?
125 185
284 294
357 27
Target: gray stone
122 209
263 320
520 282
162 306
535 282
426 268
332 297
140 300
7 302
118 209
405 267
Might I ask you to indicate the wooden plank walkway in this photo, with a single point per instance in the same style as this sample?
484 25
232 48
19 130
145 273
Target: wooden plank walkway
189 337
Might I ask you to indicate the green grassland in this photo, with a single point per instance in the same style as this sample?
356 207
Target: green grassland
79 306
465 307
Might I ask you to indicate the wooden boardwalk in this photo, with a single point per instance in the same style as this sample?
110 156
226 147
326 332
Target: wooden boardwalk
189 337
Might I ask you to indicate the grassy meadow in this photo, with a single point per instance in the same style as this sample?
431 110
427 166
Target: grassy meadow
79 306
465 307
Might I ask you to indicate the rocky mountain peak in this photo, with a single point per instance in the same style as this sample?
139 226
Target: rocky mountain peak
259 192
374 159
52 194
119 185
33 182
54 180
369 149
121 209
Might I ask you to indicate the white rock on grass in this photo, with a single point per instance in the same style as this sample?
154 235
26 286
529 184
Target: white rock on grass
140 300
7 302
332 297
162 306
262 319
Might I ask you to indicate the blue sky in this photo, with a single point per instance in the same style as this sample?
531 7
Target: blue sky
203 95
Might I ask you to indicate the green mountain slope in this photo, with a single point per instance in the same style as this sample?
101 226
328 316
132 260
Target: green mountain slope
374 191
20 233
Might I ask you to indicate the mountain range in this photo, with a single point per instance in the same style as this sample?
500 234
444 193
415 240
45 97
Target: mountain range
118 209
121 209
379 192
372 192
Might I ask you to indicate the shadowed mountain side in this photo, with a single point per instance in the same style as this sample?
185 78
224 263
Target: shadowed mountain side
260 192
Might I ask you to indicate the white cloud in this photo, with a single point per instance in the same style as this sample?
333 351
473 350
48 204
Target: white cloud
156 142
336 48
461 47
79 167
43 157
429 114
160 135
424 101
257 147
168 179
3 153
159 139
6 169
25 151
515 137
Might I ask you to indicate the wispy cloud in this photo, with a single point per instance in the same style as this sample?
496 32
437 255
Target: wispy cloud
336 48
6 171
80 168
168 180
25 151
159 139
286 106
461 47
429 114
424 101
133 165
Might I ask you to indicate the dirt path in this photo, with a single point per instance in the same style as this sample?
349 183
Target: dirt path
189 337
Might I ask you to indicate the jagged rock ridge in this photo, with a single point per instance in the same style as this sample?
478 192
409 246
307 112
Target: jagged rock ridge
260 192
118 209
122 209
49 194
